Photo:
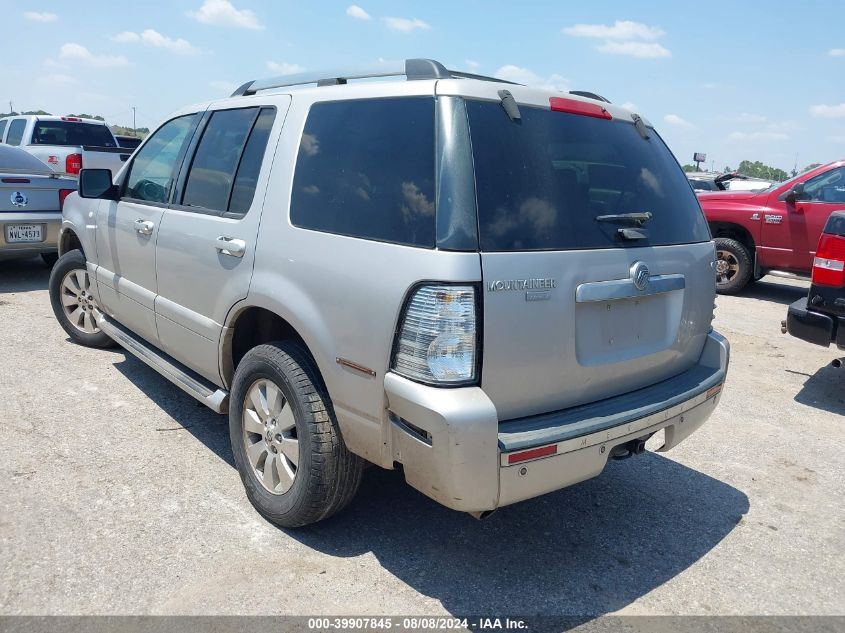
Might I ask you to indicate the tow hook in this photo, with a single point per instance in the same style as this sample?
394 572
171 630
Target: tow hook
783 327
628 449
837 362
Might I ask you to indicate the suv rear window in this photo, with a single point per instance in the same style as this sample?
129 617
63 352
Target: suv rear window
366 169
542 181
72 133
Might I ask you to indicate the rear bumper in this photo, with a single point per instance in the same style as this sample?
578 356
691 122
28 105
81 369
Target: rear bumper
814 327
51 223
454 449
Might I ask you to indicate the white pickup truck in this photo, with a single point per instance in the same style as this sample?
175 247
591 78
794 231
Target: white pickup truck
65 143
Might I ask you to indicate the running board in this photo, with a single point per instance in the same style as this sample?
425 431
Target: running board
788 275
191 383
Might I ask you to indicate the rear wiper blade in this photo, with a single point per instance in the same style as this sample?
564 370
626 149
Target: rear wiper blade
636 218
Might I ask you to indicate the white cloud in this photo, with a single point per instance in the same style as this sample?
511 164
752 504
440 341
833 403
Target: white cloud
225 87
59 79
354 11
528 77
126 37
628 105
77 53
757 136
635 49
40 16
747 117
619 30
676 121
284 68
224 13
472 64
405 25
156 39
828 111
623 37
836 52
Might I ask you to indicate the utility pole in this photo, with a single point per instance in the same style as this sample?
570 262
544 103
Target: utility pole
134 128
11 109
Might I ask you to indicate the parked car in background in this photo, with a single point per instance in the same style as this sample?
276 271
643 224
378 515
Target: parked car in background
340 270
66 144
130 142
820 316
31 201
746 183
707 181
774 230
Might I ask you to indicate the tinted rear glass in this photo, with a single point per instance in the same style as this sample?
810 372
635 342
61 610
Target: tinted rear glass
247 177
542 181
213 169
71 133
366 169
2 128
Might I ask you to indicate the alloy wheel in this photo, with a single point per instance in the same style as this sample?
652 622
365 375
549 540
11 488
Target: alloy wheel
270 437
727 267
78 303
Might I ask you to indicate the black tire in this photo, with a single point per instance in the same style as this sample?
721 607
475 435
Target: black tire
734 266
70 261
327 475
50 259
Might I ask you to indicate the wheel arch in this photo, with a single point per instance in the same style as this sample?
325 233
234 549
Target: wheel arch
735 232
69 241
252 325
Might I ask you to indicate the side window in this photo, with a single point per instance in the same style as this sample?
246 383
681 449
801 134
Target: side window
826 187
247 177
366 169
16 128
150 176
215 163
2 128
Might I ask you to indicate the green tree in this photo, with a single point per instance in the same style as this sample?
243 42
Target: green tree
88 116
757 169
689 168
811 166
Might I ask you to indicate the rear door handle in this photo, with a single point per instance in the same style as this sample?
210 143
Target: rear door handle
230 246
144 227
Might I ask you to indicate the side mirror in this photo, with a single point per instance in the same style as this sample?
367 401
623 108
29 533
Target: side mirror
796 193
97 184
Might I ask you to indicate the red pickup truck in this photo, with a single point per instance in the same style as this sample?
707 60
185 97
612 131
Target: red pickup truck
776 229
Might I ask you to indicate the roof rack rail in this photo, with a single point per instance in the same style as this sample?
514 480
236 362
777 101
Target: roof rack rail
412 69
589 95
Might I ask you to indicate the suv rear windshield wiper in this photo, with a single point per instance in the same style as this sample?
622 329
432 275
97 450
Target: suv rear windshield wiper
636 218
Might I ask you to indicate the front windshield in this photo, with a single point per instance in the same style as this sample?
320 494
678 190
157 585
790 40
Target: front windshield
778 185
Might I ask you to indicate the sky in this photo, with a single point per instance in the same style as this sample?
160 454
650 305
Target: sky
745 80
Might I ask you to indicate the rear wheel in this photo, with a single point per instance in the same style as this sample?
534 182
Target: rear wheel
287 446
734 268
73 304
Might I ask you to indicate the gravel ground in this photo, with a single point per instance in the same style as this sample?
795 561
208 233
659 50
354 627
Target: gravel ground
119 496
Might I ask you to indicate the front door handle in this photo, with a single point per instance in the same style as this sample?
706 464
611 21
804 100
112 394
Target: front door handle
230 246
144 227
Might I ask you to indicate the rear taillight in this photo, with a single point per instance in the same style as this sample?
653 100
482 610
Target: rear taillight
437 338
63 193
829 263
73 163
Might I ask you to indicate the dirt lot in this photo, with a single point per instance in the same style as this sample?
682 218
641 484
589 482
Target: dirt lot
119 497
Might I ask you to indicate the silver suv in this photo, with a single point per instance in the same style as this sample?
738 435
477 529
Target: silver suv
492 287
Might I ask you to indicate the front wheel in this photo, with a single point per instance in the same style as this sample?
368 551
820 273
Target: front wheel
287 446
734 267
73 304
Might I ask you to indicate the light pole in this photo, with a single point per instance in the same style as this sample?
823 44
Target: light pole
134 129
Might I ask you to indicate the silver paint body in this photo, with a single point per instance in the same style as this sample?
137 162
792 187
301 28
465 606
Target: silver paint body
41 196
176 290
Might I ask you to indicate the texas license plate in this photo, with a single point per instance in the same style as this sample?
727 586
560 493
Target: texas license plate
24 233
